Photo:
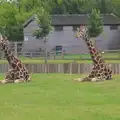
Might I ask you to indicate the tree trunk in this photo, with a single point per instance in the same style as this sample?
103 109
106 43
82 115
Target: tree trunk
0 55
45 51
94 41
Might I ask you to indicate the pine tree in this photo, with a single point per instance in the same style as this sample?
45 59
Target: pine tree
95 25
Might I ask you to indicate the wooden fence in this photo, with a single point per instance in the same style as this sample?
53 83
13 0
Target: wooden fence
19 49
73 68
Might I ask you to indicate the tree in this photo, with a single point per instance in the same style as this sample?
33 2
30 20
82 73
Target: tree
11 21
105 6
44 22
72 6
116 7
15 12
95 25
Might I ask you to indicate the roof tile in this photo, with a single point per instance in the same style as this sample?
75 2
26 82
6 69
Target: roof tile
77 19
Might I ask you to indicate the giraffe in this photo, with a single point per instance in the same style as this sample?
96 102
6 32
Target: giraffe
18 73
100 70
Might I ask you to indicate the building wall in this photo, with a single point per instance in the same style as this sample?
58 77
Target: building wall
67 39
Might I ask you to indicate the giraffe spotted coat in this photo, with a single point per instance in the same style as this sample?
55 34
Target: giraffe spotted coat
100 70
18 73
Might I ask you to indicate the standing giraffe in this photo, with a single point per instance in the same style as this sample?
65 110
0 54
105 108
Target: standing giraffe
18 73
100 70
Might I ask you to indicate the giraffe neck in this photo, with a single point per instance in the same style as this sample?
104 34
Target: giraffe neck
96 57
9 56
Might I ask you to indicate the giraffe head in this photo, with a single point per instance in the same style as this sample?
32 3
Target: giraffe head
81 32
3 42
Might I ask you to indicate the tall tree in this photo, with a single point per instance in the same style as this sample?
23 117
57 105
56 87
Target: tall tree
44 21
105 6
95 25
116 7
11 21
15 12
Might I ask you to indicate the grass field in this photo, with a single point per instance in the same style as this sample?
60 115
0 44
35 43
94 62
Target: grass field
57 97
37 61
69 58
106 55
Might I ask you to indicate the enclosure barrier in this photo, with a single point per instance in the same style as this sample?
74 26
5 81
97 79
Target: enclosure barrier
67 68
67 53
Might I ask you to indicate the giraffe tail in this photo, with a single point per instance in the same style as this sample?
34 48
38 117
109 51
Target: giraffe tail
30 75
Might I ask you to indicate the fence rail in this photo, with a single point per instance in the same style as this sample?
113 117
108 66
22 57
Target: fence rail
17 49
73 68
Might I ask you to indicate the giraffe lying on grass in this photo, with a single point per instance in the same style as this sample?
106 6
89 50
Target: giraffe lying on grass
18 73
100 71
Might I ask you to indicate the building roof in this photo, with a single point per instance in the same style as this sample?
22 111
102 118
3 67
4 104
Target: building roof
77 19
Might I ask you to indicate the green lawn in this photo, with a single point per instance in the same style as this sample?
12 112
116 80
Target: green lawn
57 97
68 58
106 55
87 56
33 61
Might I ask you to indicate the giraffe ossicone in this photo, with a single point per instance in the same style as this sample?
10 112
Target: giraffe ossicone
18 73
100 70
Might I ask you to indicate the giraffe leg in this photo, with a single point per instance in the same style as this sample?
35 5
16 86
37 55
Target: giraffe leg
78 79
9 77
3 81
98 78
90 76
94 79
86 79
19 80
6 81
29 78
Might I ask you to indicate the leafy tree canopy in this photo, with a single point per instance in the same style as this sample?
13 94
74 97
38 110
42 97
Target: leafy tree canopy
15 12
95 25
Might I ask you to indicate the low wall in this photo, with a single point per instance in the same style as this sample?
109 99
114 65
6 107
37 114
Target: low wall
74 68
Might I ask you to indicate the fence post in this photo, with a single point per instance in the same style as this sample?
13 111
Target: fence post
62 54
1 55
119 55
54 54
15 49
78 68
45 55
45 66
31 55
70 68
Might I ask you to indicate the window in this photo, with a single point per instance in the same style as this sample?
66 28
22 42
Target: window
113 27
75 27
59 48
58 28
26 38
